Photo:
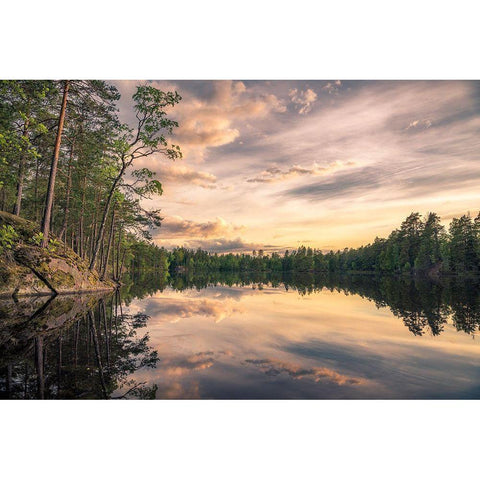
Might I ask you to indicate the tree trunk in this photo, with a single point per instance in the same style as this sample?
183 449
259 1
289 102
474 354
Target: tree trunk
59 367
37 166
67 198
121 265
118 255
82 246
105 326
97 354
104 218
39 366
93 226
109 246
21 172
53 169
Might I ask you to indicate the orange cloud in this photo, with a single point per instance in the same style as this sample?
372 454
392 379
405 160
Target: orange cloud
172 310
274 367
183 174
179 366
178 227
303 99
210 122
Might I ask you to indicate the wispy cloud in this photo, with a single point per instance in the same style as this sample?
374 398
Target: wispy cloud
341 185
283 151
276 174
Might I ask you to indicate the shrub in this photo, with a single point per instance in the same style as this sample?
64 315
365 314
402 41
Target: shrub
8 237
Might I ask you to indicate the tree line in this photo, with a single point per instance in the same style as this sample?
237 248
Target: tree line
419 245
69 164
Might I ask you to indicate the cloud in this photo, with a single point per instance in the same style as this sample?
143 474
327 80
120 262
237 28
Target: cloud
332 87
178 227
215 120
398 131
273 368
181 174
224 245
419 124
414 145
185 365
179 366
275 174
343 184
303 99
173 310
176 390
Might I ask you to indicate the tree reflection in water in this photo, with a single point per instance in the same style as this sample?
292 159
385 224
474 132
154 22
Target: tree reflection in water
425 305
86 347
72 347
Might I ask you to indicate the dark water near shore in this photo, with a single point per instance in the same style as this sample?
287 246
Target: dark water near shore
240 337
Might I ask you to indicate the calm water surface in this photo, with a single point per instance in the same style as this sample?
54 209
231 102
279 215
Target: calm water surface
229 337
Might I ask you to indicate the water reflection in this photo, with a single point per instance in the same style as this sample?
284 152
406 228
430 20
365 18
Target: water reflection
247 336
72 347
424 304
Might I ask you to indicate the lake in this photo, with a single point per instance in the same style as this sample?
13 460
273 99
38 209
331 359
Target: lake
229 336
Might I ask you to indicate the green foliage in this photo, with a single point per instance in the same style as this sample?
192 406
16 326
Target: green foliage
53 245
37 239
8 237
150 105
99 187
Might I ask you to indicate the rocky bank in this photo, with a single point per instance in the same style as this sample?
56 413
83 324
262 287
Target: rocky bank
28 269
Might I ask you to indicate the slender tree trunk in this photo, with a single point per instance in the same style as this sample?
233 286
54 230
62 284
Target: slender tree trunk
67 196
121 265
87 338
97 354
59 366
77 335
93 227
82 219
109 246
53 169
21 172
113 255
118 254
21 178
39 358
104 218
35 193
105 326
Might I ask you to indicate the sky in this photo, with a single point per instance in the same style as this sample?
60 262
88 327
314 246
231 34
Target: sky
328 164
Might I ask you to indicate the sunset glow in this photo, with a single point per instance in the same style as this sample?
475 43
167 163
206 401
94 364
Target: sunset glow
326 164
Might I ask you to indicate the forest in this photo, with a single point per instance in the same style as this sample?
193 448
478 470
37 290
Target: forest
419 245
70 165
